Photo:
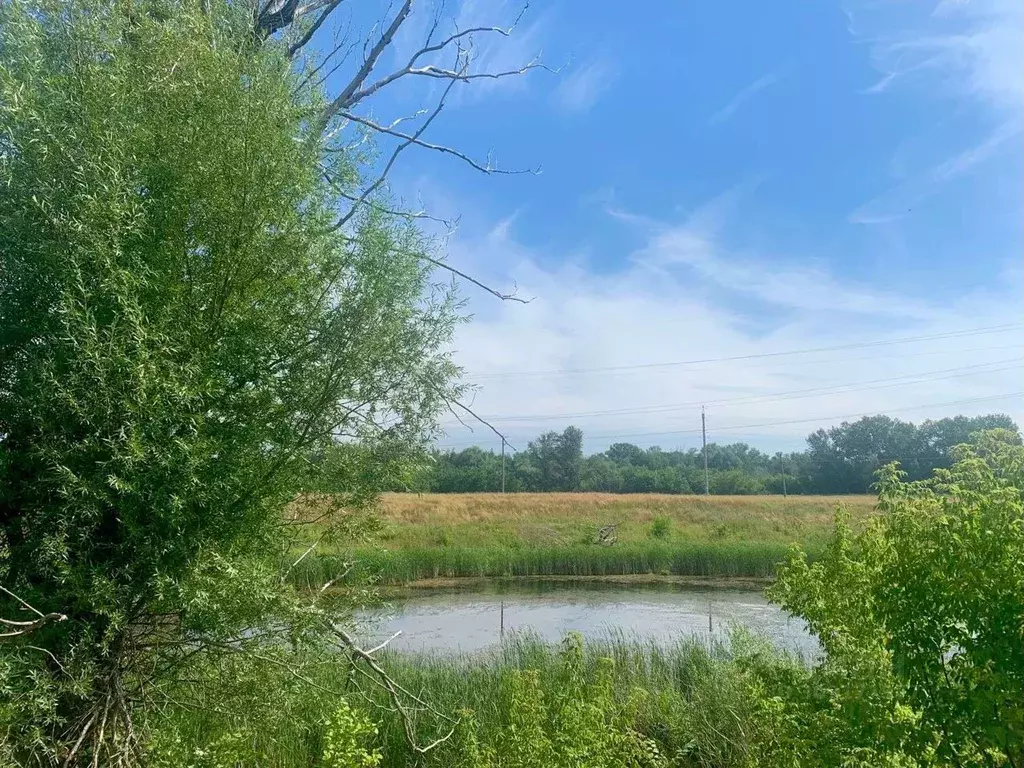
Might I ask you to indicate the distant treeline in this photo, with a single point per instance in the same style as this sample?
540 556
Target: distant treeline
839 460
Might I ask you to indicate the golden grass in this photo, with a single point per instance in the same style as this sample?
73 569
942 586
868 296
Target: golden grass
433 536
449 508
533 519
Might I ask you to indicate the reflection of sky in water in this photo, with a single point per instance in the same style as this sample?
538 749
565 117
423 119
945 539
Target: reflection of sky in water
448 620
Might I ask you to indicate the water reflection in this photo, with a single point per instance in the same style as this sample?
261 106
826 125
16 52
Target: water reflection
459 620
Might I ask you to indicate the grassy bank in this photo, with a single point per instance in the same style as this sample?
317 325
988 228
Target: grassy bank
688 700
434 536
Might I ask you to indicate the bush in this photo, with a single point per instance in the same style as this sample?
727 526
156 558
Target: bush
661 527
345 739
921 616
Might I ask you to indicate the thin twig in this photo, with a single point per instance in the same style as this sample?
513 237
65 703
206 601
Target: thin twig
474 281
390 131
467 409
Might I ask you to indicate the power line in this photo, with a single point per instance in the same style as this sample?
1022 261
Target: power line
735 427
824 418
915 378
761 355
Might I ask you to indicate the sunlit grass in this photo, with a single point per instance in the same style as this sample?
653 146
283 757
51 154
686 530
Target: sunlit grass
555 534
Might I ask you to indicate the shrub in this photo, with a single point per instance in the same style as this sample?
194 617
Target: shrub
661 527
345 738
921 616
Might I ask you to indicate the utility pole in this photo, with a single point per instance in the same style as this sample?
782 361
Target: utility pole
704 440
503 471
782 460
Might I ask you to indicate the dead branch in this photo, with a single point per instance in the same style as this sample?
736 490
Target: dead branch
375 205
391 161
278 14
394 691
308 35
345 98
474 281
389 130
24 627
354 93
452 404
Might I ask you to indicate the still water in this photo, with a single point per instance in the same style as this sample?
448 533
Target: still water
460 620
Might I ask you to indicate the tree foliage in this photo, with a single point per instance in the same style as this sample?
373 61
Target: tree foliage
183 331
839 460
921 617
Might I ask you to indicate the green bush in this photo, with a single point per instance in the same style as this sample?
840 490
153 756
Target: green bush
661 528
345 738
921 617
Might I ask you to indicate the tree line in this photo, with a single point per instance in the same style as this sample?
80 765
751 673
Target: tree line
841 459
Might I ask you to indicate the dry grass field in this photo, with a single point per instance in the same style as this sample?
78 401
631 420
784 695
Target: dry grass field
435 536
546 519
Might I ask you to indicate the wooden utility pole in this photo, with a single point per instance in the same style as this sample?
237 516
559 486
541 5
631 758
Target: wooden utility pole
782 458
502 464
704 440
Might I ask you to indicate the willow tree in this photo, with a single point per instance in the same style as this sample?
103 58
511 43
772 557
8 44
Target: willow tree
202 288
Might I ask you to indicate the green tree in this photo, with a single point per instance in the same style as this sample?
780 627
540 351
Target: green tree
184 329
552 462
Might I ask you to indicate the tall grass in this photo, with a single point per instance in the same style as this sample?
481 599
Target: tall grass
689 697
399 566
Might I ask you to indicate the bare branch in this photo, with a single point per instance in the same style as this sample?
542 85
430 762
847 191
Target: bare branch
24 627
278 14
452 404
384 644
421 214
343 99
303 556
391 161
337 46
451 74
357 96
474 281
301 42
390 131
395 691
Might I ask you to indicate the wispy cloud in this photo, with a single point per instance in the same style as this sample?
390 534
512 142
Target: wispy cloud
581 88
900 201
674 299
969 52
965 48
745 95
694 246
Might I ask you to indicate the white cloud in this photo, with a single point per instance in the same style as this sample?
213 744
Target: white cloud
899 201
743 96
967 51
581 88
674 299
968 48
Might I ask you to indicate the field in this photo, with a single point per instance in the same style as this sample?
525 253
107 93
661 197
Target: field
433 536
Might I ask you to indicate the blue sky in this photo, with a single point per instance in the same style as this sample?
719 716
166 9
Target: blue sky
725 179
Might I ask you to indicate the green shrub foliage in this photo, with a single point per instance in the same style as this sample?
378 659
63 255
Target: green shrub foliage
921 617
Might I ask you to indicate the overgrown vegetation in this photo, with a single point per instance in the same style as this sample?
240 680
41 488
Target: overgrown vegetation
910 677
219 342
839 460
184 331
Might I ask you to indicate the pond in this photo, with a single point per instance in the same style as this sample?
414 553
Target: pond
468 620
